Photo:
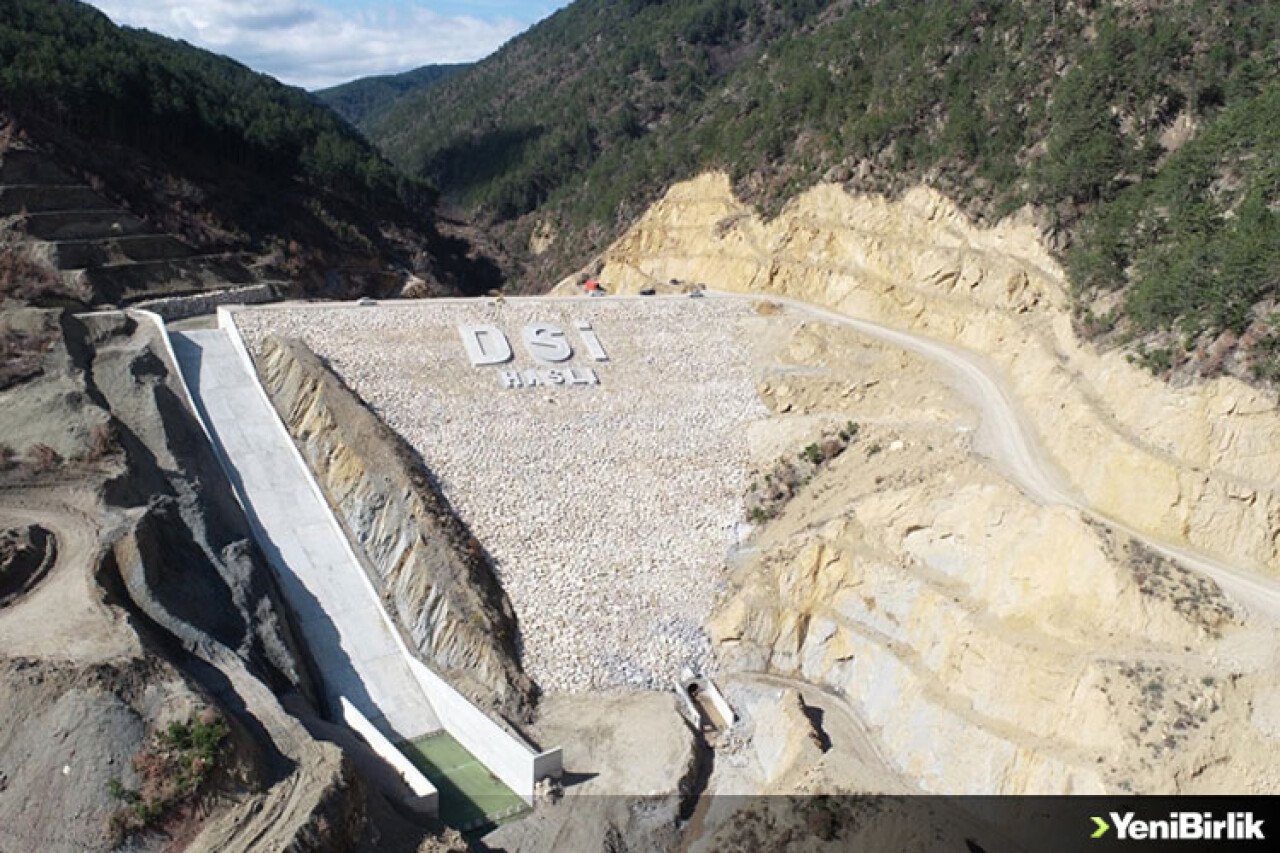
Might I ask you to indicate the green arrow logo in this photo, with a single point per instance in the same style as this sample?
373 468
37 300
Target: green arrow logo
1102 828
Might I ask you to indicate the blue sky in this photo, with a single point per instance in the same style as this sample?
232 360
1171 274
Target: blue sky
315 43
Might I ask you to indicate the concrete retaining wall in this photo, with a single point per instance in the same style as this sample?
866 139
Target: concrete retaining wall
548 765
426 798
156 321
509 758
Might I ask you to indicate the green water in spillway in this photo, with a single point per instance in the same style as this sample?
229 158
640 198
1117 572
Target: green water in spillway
471 797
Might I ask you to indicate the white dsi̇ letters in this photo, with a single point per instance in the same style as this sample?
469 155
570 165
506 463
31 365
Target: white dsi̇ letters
486 344
547 343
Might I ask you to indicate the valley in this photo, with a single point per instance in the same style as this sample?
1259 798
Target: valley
721 426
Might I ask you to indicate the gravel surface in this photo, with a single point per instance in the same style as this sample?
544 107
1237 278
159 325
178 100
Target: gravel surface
609 510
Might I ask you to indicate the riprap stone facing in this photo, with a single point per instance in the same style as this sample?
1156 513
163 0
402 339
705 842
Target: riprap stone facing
607 491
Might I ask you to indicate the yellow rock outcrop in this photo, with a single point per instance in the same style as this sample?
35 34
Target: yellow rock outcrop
992 643
1197 465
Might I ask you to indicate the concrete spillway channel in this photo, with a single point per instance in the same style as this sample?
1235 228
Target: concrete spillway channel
369 677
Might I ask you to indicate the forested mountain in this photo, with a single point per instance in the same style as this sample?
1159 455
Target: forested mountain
208 149
365 100
1147 134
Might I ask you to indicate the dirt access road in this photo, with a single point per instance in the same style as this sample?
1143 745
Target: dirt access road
1008 439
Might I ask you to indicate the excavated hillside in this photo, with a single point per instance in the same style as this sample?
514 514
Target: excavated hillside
997 616
990 643
1189 465
155 692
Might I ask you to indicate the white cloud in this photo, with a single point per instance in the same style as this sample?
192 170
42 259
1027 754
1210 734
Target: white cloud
309 44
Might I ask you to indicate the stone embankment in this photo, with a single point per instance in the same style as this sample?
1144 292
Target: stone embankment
181 307
1192 465
608 509
428 564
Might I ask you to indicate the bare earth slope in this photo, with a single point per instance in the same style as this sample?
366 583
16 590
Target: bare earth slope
434 570
151 606
1077 597
1190 465
992 643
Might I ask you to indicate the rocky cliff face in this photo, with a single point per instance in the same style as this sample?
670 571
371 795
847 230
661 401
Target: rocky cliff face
432 570
993 644
1193 464
974 690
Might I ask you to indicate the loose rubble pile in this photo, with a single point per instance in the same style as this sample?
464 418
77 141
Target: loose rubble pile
608 509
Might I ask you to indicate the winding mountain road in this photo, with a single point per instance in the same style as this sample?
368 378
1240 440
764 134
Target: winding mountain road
1008 439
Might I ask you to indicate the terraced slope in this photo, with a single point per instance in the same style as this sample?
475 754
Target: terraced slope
101 252
225 158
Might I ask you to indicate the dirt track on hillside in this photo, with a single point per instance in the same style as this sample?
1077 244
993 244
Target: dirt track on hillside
1010 442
